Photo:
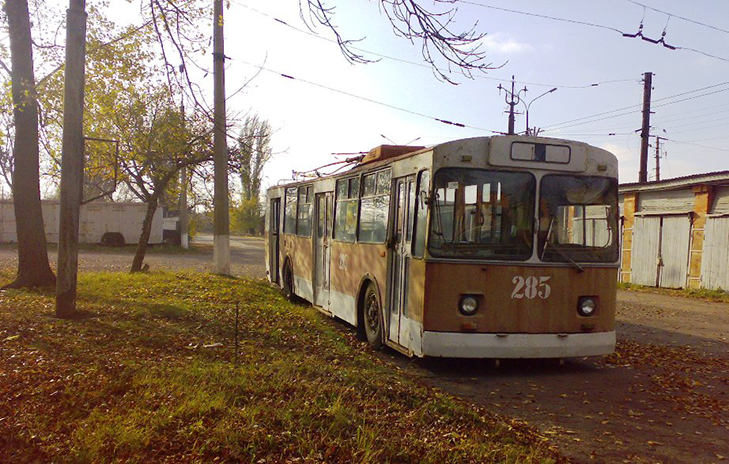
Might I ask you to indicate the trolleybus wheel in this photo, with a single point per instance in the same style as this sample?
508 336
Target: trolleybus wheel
288 283
373 317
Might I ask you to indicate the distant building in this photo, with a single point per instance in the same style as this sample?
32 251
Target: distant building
676 232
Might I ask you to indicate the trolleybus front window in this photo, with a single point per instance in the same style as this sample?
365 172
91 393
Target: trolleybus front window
482 214
577 219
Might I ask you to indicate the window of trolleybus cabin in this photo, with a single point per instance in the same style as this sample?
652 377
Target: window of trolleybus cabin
578 219
482 214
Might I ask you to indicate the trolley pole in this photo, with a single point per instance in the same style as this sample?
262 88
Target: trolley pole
645 131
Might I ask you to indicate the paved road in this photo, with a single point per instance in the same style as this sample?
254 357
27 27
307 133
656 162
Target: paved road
663 397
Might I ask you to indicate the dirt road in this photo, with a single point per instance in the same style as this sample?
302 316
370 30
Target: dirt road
662 397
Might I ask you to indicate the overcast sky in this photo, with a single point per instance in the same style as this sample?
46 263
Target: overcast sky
314 117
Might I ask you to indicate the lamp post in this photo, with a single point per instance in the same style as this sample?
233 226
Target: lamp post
530 104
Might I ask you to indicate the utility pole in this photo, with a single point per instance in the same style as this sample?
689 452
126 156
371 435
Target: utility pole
221 225
658 158
183 229
72 159
645 131
512 99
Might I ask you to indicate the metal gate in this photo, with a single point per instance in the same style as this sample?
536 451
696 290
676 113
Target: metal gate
660 250
715 255
646 233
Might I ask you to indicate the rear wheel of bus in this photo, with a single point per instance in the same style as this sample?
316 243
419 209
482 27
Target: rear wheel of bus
372 317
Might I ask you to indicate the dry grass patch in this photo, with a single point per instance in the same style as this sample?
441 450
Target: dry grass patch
149 376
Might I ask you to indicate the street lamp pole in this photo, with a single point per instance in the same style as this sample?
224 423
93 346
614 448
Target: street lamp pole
530 104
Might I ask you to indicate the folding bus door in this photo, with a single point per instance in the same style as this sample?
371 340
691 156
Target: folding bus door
322 254
402 238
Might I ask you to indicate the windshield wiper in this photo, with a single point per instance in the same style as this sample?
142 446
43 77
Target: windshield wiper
560 252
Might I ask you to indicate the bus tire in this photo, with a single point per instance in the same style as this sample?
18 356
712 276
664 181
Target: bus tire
287 284
372 317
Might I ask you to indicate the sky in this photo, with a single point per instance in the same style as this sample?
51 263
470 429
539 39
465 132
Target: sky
332 106
313 121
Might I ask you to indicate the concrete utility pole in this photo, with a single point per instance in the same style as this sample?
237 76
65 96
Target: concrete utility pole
658 157
512 99
72 160
221 226
184 219
183 188
645 131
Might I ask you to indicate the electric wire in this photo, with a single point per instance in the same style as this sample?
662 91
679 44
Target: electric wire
600 26
370 100
680 17
568 123
696 144
427 66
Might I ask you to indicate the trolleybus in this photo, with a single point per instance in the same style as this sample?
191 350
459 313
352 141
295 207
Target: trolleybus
490 247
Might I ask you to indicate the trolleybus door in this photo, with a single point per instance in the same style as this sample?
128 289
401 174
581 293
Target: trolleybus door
273 245
402 237
323 248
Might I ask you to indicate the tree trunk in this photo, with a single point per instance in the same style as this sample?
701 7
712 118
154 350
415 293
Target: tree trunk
33 267
144 236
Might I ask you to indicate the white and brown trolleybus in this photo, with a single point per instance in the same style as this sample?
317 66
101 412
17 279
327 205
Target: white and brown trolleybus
491 247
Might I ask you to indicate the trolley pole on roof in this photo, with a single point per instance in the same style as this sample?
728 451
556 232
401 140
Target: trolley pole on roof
646 129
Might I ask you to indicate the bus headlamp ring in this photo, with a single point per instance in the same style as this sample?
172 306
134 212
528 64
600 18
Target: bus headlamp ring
587 306
468 305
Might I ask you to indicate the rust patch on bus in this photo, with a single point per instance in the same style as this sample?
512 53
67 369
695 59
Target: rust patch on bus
518 299
350 262
300 251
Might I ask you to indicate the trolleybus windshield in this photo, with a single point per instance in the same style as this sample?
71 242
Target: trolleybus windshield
482 214
577 219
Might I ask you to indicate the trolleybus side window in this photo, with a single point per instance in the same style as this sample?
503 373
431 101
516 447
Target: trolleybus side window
577 220
303 215
374 207
290 213
421 214
482 214
345 226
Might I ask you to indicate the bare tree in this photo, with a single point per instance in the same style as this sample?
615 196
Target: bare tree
458 51
33 267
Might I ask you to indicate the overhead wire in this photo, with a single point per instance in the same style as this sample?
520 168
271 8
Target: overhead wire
370 100
679 17
696 144
427 66
636 107
638 34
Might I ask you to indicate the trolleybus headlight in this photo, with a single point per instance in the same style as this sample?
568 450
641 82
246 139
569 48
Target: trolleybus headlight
586 306
468 305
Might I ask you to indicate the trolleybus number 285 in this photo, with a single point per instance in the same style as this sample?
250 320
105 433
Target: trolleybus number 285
531 287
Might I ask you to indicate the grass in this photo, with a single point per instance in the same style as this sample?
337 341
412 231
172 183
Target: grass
700 293
151 376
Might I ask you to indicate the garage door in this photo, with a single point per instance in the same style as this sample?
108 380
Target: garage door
661 250
715 257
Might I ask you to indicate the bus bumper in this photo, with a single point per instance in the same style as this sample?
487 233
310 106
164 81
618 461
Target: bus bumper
517 345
